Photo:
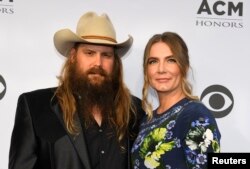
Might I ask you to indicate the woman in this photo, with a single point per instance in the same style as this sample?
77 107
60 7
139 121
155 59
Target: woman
181 131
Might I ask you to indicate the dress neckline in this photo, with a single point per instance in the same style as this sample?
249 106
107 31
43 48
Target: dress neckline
179 103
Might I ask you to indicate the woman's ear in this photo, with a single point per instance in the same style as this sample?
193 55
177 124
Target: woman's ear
187 68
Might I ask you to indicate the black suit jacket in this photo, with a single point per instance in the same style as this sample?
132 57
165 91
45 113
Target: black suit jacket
40 139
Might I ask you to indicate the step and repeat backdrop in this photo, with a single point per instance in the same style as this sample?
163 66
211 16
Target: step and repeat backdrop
217 33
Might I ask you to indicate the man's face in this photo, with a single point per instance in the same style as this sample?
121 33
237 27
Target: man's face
95 62
91 77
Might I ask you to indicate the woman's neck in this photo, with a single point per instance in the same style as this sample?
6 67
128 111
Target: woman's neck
166 101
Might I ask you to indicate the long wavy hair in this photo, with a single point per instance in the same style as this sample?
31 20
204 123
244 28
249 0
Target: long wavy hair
123 106
180 53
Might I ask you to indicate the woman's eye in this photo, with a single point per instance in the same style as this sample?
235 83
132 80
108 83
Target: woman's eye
172 60
151 62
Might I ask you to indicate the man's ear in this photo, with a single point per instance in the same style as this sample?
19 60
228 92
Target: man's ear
72 55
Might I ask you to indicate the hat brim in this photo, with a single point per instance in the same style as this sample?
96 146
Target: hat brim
65 39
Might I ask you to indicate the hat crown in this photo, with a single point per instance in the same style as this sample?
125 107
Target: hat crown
92 26
92 29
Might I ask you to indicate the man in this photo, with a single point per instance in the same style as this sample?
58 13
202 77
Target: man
89 120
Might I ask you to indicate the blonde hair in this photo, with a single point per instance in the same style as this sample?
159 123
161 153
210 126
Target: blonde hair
180 52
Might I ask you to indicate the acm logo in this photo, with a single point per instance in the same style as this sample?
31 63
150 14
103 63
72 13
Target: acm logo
221 8
6 7
214 13
6 0
2 87
218 99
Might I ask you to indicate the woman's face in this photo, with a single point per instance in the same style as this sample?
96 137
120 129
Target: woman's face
162 69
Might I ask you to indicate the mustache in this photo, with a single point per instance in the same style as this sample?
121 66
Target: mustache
97 70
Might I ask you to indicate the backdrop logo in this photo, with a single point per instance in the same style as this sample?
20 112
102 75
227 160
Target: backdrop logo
225 14
2 87
218 99
6 7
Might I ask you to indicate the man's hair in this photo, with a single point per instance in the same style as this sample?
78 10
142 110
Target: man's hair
123 106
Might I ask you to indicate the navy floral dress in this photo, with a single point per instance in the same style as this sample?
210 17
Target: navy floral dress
179 138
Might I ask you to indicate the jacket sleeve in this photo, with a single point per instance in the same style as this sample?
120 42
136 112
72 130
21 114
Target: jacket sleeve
22 154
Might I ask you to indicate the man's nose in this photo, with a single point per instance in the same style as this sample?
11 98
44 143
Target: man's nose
98 60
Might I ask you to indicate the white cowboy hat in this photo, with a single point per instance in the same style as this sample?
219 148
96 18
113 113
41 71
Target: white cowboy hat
93 29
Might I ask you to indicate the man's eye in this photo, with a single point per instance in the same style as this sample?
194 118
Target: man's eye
88 53
107 55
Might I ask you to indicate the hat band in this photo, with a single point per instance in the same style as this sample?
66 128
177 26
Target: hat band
99 37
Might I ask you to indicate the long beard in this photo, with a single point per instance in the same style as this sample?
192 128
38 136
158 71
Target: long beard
98 93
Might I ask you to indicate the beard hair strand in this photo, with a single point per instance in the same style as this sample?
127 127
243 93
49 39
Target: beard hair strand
90 95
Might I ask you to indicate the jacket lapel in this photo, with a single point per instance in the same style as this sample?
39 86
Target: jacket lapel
78 141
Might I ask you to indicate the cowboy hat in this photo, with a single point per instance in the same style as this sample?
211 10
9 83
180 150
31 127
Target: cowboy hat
92 29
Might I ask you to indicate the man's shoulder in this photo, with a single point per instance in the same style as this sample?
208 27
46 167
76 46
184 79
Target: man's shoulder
135 99
40 93
137 102
37 100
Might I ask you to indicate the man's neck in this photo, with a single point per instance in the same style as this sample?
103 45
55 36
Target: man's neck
97 115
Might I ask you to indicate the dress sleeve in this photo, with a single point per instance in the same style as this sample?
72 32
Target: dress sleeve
202 137
22 154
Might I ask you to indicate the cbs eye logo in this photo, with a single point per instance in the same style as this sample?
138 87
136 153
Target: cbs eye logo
218 99
2 87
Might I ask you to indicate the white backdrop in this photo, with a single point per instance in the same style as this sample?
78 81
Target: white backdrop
217 36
